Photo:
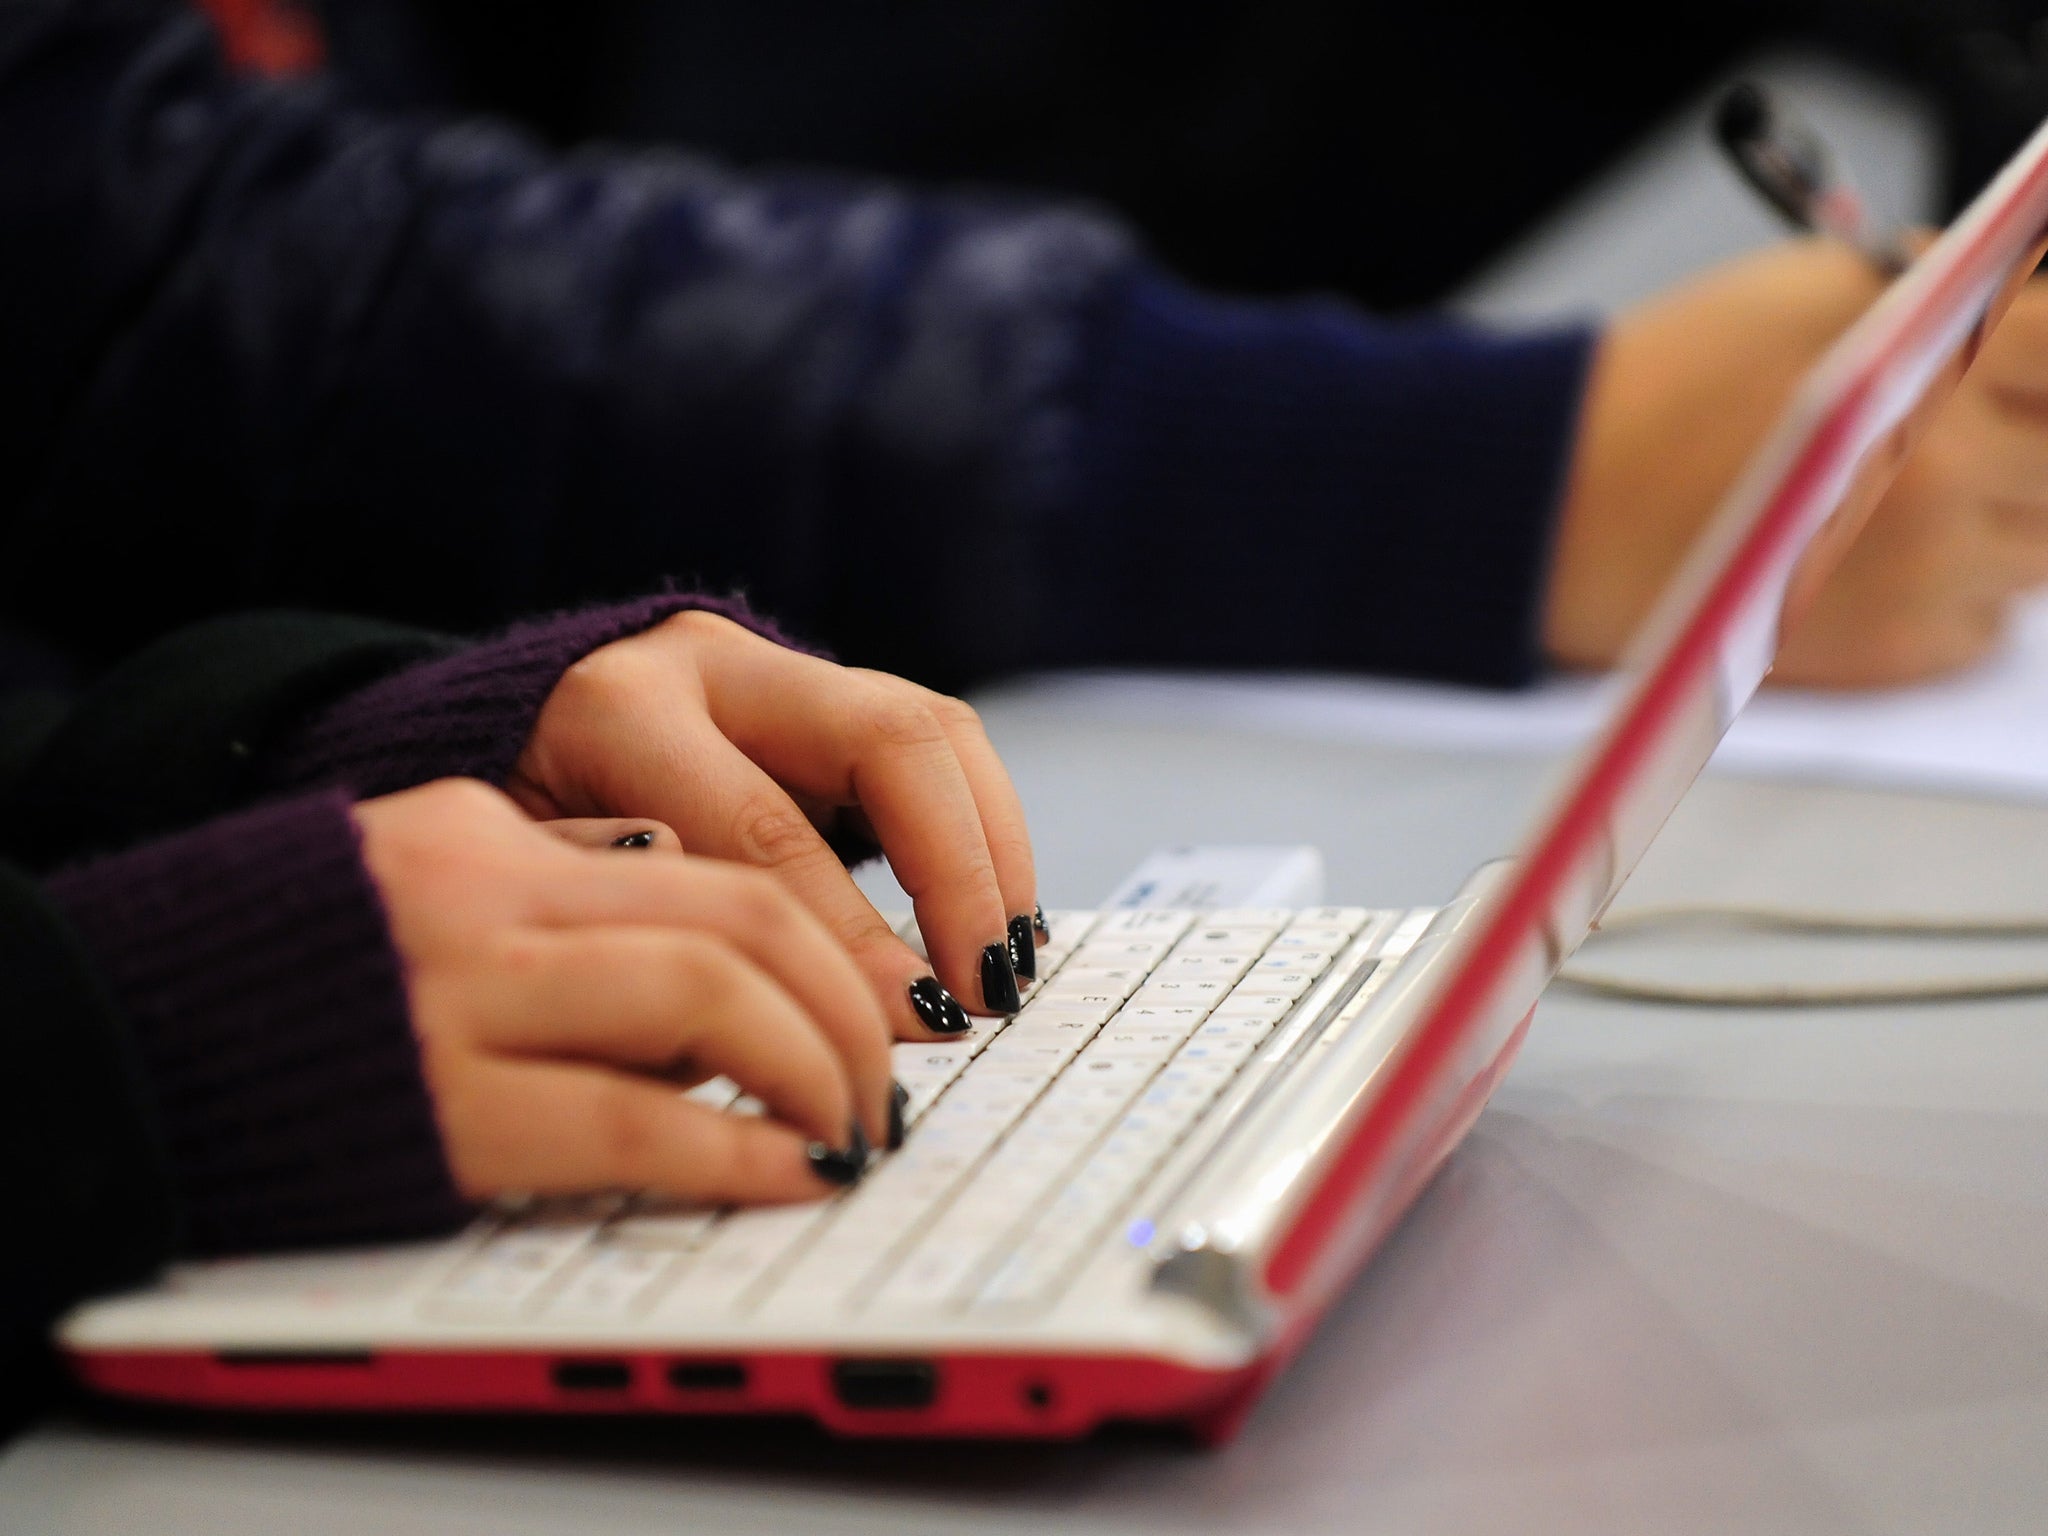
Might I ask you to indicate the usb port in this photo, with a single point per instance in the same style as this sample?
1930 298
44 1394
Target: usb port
885 1384
593 1375
708 1376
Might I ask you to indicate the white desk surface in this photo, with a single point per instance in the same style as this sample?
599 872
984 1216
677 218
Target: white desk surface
1691 1272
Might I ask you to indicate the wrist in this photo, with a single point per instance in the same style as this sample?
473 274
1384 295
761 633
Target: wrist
470 714
251 960
1680 393
1340 491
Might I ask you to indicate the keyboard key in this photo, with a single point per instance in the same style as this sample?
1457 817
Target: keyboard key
1084 1202
1206 1069
1315 961
1178 1100
1088 1082
1309 936
1053 1026
1043 1143
959 1140
1094 1068
939 1063
920 1164
1137 1044
837 1261
1201 992
1168 923
1189 967
1350 919
611 1282
679 1228
1181 1016
900 1193
1118 953
510 1269
1238 1028
1084 1113
1288 984
1030 1275
1050 1050
1145 1127
1205 938
1103 979
991 1096
1272 919
1068 928
737 1258
1230 1050
1251 996
933 1272
1090 1005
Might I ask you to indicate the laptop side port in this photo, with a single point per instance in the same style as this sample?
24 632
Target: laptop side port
708 1376
593 1375
880 1385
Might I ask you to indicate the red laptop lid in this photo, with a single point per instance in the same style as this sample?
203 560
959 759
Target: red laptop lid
1698 660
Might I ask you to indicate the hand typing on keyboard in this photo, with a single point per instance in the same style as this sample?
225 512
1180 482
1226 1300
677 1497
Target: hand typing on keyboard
1032 1137
747 749
559 992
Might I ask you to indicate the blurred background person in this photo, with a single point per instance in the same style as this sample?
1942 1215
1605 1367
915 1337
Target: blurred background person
273 346
1257 148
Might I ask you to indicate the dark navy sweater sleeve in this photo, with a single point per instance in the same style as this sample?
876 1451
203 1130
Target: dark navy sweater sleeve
298 353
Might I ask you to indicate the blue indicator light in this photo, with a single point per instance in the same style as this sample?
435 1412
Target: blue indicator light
1140 1233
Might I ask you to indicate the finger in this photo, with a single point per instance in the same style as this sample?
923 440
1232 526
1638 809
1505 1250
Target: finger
857 738
623 832
1002 824
2018 544
2014 363
2005 457
657 1000
760 920
557 1128
767 829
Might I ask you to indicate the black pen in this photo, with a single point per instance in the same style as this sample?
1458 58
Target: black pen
1785 160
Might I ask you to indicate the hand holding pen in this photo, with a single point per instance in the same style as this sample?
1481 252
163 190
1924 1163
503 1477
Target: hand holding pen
1785 160
1688 381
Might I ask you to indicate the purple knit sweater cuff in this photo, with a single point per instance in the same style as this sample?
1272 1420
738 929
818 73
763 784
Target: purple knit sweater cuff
470 714
253 962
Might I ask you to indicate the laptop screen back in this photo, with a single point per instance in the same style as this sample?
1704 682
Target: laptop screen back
1699 659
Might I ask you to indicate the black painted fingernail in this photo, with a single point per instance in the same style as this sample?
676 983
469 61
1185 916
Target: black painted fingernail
836 1166
634 840
1023 950
999 980
1040 925
940 1010
899 1100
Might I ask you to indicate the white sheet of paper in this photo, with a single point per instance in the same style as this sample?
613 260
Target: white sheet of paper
1984 731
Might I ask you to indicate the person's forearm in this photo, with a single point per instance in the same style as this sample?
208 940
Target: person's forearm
301 355
313 356
467 713
91 1188
251 962
1301 486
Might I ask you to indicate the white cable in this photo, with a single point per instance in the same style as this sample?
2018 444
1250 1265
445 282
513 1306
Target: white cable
1783 920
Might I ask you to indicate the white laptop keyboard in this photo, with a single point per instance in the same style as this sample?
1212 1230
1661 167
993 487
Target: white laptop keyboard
1027 1139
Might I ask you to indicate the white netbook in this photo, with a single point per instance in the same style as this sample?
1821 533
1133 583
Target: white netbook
1134 1199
